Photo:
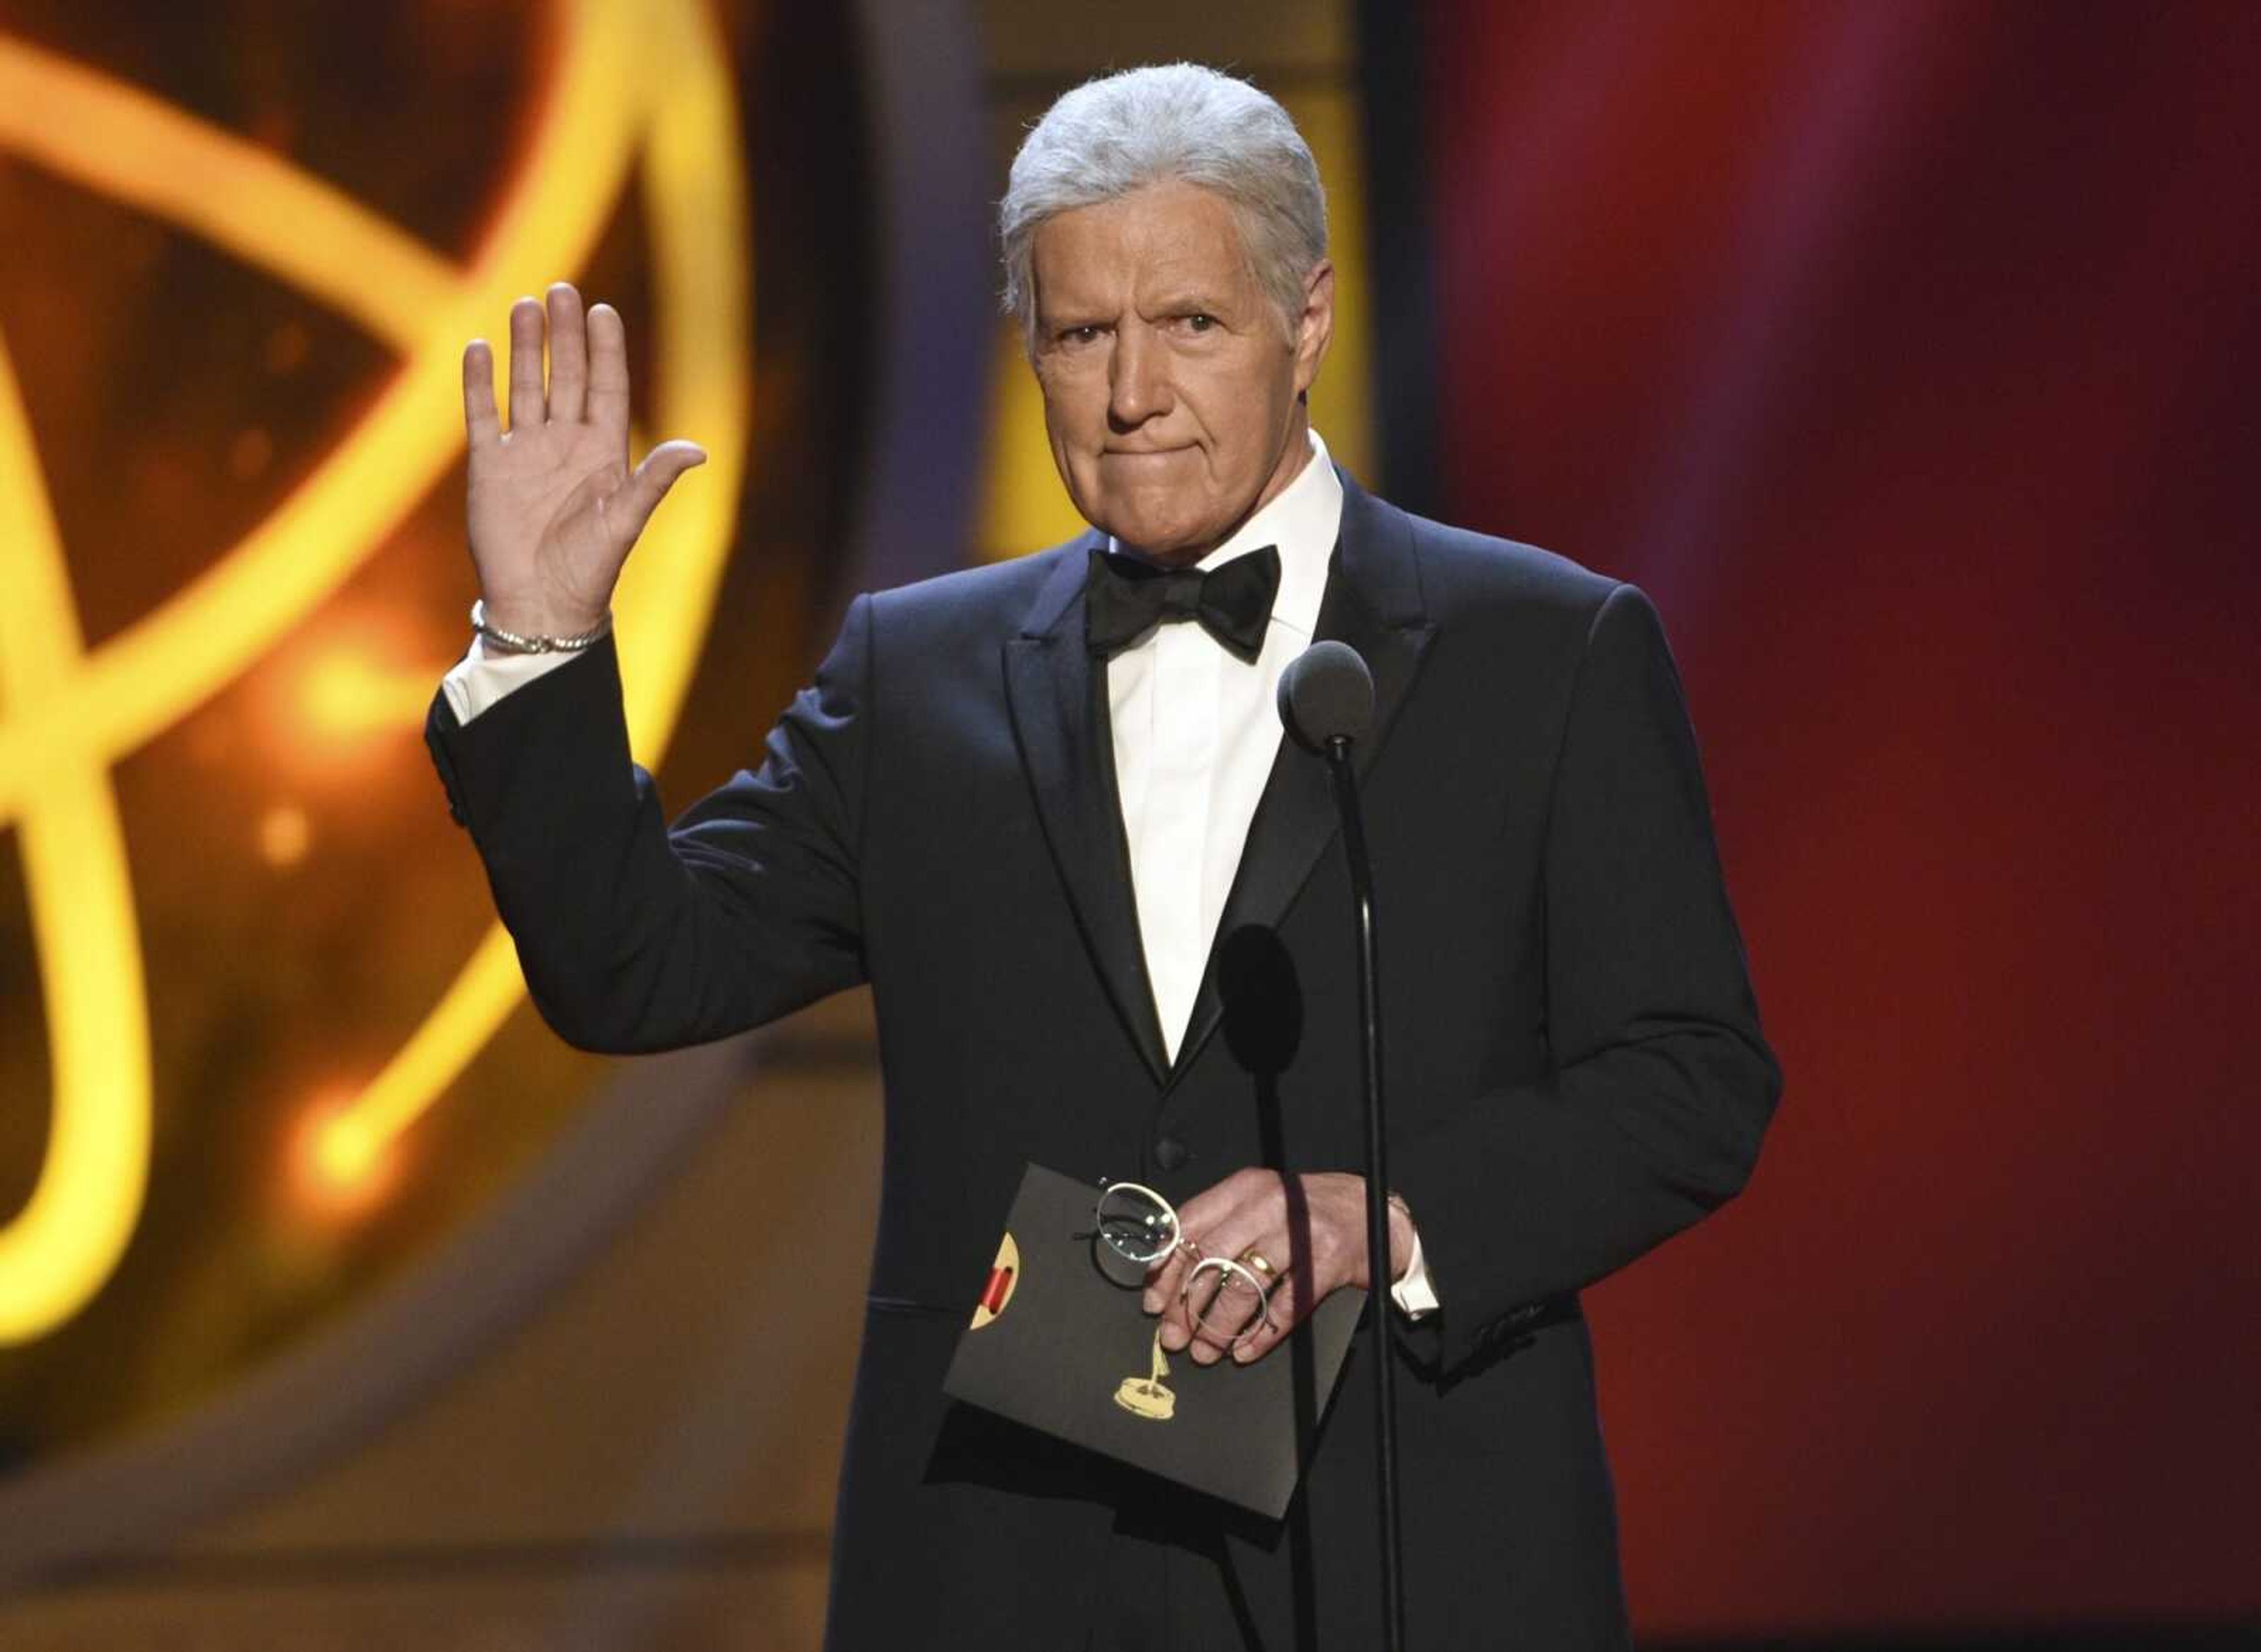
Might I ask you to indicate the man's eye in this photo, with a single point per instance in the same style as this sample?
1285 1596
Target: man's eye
1200 323
1083 335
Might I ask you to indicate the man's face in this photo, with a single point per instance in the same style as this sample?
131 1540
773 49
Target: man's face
1172 385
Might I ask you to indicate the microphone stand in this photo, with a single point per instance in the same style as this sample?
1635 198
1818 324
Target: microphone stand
1377 1190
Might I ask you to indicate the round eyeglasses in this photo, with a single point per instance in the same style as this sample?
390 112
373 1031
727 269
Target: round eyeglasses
1231 1302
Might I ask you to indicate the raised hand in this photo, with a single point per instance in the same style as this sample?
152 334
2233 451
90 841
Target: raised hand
1308 1229
553 508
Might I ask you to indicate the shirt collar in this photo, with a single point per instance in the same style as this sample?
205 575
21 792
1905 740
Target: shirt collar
1304 519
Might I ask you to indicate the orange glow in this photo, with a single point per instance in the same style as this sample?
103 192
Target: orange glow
285 834
346 693
339 1169
638 91
249 455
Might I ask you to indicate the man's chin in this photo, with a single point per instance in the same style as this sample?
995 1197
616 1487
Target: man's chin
1167 539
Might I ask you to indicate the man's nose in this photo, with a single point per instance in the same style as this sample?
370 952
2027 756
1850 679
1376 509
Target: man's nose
1138 380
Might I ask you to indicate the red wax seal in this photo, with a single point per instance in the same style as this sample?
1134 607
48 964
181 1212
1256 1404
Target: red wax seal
999 1287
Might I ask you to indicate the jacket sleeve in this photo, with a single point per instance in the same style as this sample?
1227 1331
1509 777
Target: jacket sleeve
1660 1083
636 937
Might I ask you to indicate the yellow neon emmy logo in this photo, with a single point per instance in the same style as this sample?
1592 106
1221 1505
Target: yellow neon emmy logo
638 87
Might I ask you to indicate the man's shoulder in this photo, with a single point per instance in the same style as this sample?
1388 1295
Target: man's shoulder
1465 573
993 600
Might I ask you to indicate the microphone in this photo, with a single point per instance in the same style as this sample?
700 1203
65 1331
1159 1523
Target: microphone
1326 694
1326 701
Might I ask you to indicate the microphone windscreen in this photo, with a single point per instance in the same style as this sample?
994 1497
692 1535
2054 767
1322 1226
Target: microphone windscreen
1326 694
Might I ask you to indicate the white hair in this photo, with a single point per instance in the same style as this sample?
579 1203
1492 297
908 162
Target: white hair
1170 122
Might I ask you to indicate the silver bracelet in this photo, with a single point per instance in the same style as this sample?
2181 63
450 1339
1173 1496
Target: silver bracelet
512 642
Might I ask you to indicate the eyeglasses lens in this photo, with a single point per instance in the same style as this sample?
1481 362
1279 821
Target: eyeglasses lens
1136 1225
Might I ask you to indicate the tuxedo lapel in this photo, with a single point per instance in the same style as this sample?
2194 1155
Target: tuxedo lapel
1374 603
1058 700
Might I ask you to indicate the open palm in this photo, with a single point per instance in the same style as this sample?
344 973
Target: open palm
552 507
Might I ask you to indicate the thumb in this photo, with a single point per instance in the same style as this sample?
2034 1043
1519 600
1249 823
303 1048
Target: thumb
652 479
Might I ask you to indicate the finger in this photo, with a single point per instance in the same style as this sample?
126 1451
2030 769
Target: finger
1218 1305
1176 1330
569 353
526 409
480 422
1286 1275
1261 1228
1190 1288
1166 1273
606 368
1166 1277
1285 1310
1164 1282
1202 1311
1232 1309
652 479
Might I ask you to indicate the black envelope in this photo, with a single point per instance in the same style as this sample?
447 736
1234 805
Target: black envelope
1058 1346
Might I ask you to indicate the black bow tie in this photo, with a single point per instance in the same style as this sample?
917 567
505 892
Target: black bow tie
1124 599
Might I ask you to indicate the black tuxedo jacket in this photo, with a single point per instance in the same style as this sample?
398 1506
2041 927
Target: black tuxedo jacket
1575 1063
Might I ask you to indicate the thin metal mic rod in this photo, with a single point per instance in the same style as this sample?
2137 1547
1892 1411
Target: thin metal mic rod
1377 1190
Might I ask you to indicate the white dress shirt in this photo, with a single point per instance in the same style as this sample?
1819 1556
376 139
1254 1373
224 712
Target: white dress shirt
1196 732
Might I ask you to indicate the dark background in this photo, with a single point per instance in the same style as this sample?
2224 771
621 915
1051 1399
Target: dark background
1906 355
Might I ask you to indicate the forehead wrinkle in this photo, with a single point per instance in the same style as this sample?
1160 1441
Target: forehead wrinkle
1192 256
1084 286
1195 284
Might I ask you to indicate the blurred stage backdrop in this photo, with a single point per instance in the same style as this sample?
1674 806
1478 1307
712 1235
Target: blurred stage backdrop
1905 352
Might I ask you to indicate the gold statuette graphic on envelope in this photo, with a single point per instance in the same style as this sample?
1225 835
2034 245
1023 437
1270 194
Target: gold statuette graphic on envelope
1146 1396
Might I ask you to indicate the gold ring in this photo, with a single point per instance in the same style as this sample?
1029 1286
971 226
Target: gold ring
1253 1260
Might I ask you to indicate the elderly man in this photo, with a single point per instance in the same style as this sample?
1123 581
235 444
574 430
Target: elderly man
1043 809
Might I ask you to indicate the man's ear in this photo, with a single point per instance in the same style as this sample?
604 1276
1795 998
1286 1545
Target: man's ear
1315 328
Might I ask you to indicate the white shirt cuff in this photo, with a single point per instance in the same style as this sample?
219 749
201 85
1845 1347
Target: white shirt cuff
480 680
1415 1297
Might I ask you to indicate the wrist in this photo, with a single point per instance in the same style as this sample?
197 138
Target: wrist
506 632
1404 1239
535 604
